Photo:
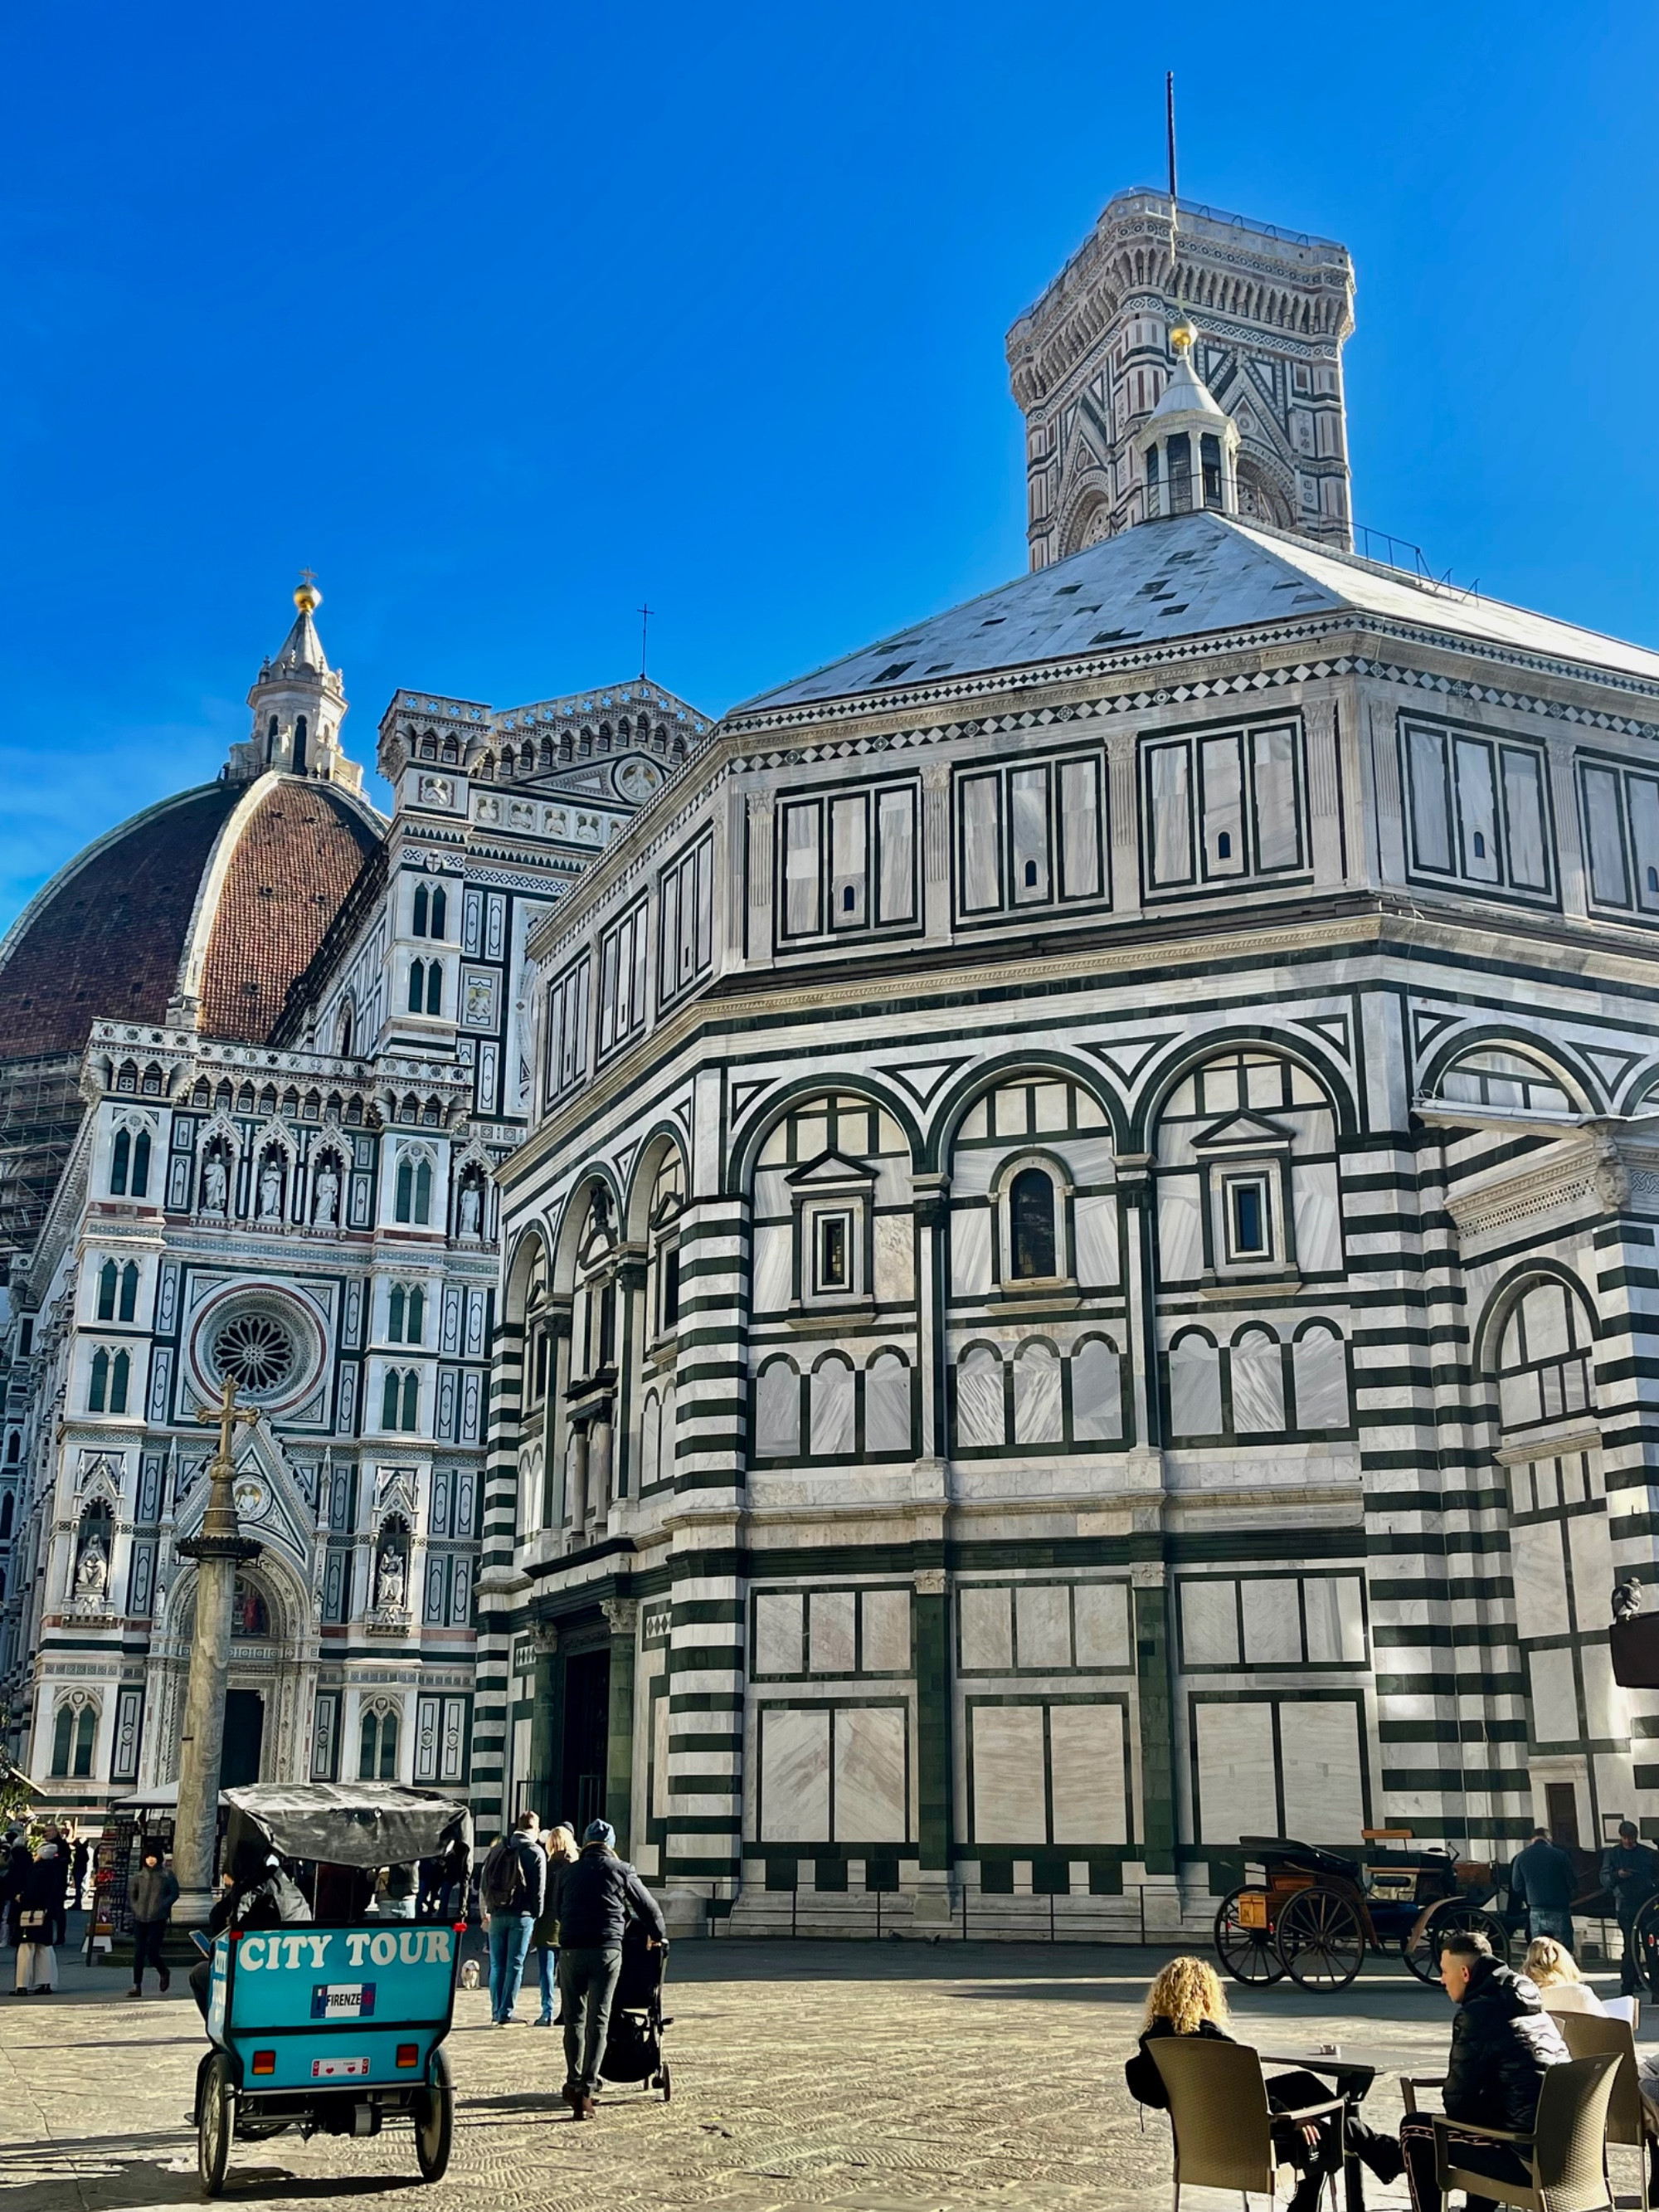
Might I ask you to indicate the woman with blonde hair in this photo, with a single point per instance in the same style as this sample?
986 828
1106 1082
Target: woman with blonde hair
1187 1998
560 1844
1553 1971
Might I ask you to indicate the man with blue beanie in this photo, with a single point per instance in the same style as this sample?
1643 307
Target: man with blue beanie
601 1894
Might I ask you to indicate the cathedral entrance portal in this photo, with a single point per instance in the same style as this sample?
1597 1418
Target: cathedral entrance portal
587 1737
245 1736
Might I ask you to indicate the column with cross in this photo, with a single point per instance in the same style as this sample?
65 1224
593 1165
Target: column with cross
218 1548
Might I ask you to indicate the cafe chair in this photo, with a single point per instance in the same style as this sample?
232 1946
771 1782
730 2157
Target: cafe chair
1587 2036
1564 2150
1221 2120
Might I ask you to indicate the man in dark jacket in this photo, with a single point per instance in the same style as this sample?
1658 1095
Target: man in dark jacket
257 1892
1503 2040
152 1896
1543 1878
600 1895
510 1893
1630 1868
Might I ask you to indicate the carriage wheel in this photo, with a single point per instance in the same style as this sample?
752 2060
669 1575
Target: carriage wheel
1247 1954
434 2121
1421 1948
217 2128
1322 1939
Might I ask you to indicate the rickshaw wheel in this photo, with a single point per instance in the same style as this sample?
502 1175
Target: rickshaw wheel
666 2083
1322 1939
1421 1951
1247 1954
434 2121
217 2126
1644 1933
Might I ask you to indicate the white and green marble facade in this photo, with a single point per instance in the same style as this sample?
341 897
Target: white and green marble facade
1272 1471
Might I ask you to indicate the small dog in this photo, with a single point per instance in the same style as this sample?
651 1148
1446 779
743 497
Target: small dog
469 1974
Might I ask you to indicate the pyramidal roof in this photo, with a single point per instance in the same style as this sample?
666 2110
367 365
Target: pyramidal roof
1191 575
302 648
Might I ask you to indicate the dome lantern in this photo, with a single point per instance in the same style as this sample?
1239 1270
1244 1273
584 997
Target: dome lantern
1188 445
299 703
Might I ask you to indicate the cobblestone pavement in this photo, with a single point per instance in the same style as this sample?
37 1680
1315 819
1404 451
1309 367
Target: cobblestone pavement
890 2077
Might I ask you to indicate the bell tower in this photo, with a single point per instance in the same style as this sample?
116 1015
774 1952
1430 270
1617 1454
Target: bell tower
299 703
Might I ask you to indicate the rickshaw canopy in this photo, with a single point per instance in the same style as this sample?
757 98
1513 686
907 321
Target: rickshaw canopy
349 1824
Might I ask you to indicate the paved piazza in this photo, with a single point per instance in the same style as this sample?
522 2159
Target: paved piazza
863 2075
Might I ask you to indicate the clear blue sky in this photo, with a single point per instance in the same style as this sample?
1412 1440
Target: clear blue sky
506 318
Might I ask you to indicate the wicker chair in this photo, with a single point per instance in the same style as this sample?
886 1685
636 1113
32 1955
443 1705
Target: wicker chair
1587 2035
1222 2122
1564 2150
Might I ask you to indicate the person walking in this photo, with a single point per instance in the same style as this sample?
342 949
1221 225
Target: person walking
1503 2043
1630 1868
510 1894
42 1903
560 1844
153 1893
599 1894
1543 1878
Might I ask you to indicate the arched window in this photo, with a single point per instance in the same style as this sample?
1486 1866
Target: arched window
300 745
394 1314
1031 1225
249 1618
406 1189
377 1757
128 1291
417 924
1319 1369
270 739
63 1736
14 1446
98 1391
424 1193
6 1504
981 1420
435 986
1258 1380
832 1405
120 1164
416 986
389 1399
777 1411
119 1373
887 1426
140 1164
440 905
86 1736
106 1285
1096 1392
415 1325
1543 1357
1037 1395
411 1419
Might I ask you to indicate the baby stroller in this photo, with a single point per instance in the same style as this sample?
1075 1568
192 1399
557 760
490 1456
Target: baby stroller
633 2047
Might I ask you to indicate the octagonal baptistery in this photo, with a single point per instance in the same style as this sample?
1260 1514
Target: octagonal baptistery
203 910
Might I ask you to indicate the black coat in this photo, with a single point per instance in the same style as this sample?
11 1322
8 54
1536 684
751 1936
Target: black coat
1141 2072
43 1892
600 1894
1501 2042
1544 1877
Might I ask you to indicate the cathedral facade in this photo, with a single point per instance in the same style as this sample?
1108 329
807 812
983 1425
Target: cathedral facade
262 1052
1078 1286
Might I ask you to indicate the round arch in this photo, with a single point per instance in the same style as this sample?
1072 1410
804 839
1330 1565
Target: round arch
1507 1293
565 1234
1241 1036
749 1136
1549 1058
659 1140
987 1075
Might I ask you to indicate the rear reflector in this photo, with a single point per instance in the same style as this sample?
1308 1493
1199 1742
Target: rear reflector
264 2062
409 2054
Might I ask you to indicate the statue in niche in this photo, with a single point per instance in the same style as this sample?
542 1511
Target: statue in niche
270 1192
472 1208
216 1184
92 1576
390 1581
325 1203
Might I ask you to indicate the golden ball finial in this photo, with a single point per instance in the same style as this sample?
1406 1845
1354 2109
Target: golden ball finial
308 598
1182 334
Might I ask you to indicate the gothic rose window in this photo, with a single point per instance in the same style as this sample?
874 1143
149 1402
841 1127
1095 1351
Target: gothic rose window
255 1350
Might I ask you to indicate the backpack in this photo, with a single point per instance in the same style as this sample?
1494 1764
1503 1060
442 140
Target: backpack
503 1877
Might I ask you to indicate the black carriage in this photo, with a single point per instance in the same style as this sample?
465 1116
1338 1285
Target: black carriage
1315 1913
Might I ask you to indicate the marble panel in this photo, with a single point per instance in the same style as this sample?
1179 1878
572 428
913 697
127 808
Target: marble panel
831 1410
1101 1613
1043 1624
775 1260
659 1759
795 1775
1209 1622
1095 1226
1036 1397
885 1632
1258 1380
1052 1102
987 1634
1554 1697
1096 1393
1180 1236
973 1168
772 1196
1322 1751
777 1411
1008 1774
1195 1389
1090 1159
1233 1758
1272 1625
1541 1582
895 1259
870 1794
970 1250
1085 1745
1591 1547
1607 1707
981 1418
1544 1320
1336 1623
831 1627
1318 1218
1319 1375
778 1633
887 1405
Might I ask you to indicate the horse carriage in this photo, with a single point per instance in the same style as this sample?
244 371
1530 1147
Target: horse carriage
1315 1913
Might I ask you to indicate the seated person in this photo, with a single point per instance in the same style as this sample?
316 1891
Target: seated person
1503 2042
1553 1972
1186 1999
255 1893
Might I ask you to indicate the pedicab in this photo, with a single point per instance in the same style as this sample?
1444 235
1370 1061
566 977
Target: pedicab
334 2025
1315 1912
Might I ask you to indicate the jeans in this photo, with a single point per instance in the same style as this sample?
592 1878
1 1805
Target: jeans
1470 2152
509 1939
147 1939
587 1983
1543 1920
396 1908
547 1967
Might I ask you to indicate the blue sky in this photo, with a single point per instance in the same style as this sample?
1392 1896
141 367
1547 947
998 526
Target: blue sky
505 320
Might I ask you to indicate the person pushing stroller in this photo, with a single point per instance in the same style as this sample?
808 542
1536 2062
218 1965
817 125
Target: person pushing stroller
600 1894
